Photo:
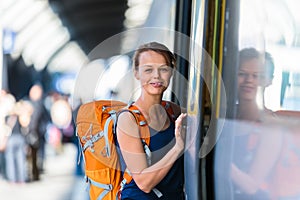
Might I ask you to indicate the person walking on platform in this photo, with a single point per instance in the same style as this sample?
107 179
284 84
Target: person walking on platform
15 153
7 103
37 130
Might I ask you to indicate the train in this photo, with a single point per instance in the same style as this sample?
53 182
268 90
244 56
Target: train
218 30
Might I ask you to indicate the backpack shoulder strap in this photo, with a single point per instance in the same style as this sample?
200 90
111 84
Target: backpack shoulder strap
141 121
172 109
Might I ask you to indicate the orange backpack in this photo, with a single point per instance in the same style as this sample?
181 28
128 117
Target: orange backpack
96 131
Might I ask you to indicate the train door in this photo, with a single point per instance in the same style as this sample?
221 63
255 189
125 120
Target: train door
211 36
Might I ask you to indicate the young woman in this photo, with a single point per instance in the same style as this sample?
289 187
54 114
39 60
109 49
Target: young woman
153 66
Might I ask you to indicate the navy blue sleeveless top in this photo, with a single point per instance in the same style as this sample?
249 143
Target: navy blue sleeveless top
171 185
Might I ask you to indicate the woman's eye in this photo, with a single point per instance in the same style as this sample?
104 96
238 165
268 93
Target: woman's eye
242 74
165 69
148 70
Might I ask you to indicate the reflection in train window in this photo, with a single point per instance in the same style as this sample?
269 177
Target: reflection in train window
257 155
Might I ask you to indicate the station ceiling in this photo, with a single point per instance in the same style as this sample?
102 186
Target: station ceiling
56 36
89 22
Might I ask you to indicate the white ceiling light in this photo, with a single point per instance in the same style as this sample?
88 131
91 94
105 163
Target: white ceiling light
70 59
40 34
137 13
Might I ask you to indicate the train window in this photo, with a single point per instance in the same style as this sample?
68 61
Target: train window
257 154
253 48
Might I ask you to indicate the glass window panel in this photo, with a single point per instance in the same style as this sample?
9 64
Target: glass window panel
257 155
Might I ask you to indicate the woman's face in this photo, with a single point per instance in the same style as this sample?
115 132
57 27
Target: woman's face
153 72
249 79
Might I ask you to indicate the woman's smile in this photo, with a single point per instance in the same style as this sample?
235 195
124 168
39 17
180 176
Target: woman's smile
157 84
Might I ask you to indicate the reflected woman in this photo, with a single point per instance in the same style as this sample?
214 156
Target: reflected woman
255 153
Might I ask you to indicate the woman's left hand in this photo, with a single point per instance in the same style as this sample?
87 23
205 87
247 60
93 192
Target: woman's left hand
180 132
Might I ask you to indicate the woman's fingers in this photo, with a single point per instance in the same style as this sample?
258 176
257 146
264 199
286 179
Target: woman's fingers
179 122
179 131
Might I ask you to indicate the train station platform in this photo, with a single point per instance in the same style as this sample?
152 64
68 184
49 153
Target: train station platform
58 182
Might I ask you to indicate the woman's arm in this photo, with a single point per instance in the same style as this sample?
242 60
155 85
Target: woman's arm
146 177
270 143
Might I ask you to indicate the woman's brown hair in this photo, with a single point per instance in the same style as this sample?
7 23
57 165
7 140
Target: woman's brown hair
158 48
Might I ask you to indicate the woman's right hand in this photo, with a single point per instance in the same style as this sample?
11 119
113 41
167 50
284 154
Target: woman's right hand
180 131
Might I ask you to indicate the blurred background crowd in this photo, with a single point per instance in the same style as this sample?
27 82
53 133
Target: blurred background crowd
29 127
45 45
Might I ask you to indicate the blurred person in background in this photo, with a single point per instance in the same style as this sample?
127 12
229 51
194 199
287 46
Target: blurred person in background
7 102
16 147
62 117
53 135
37 129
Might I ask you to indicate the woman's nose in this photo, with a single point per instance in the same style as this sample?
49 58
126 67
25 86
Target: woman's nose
156 73
248 77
